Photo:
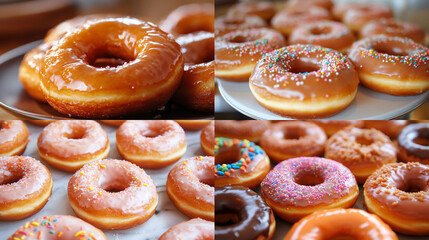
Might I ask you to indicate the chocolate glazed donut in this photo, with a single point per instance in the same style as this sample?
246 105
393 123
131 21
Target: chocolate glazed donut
240 213
414 143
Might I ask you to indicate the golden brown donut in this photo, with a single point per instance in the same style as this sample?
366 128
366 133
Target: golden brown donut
228 23
356 15
392 65
207 139
399 194
264 10
290 139
391 128
361 150
393 27
241 129
13 137
332 126
151 73
194 229
193 125
25 187
193 176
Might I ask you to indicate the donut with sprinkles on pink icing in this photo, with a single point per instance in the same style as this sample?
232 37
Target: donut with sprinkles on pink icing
300 186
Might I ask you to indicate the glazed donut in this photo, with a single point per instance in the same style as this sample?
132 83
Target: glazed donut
112 194
357 15
207 139
196 90
193 176
228 23
68 145
393 27
339 10
391 128
304 81
237 52
239 163
332 126
241 214
145 82
25 187
327 34
151 143
193 125
392 65
327 4
399 193
291 139
13 137
241 129
336 223
190 18
287 20
194 229
264 10
361 150
413 143
116 123
301 186
56 227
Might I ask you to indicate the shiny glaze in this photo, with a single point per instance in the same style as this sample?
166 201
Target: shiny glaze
197 47
280 184
158 137
89 189
72 140
361 13
294 139
208 137
253 214
252 45
151 54
30 179
346 147
190 18
333 76
262 9
384 187
393 27
409 134
228 23
288 19
241 129
194 229
353 223
13 133
58 227
327 34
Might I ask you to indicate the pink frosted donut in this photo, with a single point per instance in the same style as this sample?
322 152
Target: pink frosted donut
301 186
13 137
194 229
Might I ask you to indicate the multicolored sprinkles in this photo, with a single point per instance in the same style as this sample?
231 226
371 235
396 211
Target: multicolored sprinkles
248 152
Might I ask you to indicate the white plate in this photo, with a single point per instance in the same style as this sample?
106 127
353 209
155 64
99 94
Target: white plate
368 104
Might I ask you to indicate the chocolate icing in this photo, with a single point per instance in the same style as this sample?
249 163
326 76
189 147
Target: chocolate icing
408 136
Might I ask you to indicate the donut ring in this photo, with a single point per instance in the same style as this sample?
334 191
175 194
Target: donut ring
334 223
413 143
25 187
193 176
112 194
332 126
190 18
252 218
264 10
327 34
68 145
144 83
241 129
301 186
194 229
391 128
151 143
393 27
361 150
66 227
304 81
399 193
193 125
239 163
357 15
13 137
290 139
392 65
207 139
237 52
228 23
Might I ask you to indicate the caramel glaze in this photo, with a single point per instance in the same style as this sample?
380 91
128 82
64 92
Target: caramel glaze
393 27
264 10
360 14
250 212
241 129
409 140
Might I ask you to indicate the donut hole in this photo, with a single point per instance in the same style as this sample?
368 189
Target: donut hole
228 156
110 56
224 217
399 50
292 135
308 179
302 66
114 184
320 30
364 141
421 141
207 179
413 185
392 25
12 178
76 133
154 130
296 13
234 21
240 39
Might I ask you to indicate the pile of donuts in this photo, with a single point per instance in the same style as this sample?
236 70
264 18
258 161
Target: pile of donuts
106 65
106 193
306 60
319 167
